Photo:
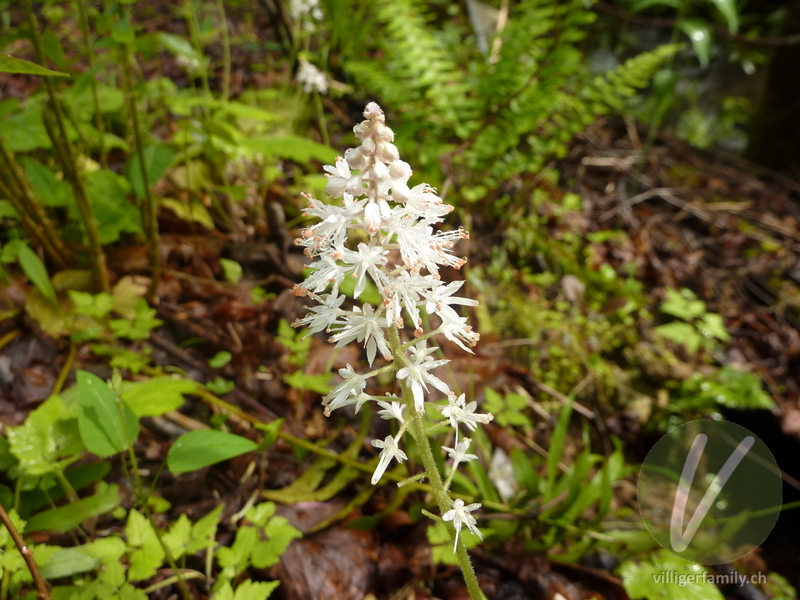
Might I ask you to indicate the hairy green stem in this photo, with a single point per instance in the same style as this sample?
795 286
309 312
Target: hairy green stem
150 213
83 17
416 426
226 52
63 147
35 221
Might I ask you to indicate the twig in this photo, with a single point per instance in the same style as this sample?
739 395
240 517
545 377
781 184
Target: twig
66 155
62 376
27 555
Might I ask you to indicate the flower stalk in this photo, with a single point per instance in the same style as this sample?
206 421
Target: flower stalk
385 235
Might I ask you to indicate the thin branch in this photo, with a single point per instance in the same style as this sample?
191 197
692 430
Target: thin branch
27 555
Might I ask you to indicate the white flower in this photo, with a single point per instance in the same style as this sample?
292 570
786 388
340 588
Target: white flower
501 473
323 315
458 411
311 78
346 392
391 411
340 180
419 378
388 452
368 259
364 324
441 297
459 453
460 516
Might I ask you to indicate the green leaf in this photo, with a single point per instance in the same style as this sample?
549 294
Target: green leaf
9 64
33 267
67 562
157 396
198 449
7 211
147 554
727 9
280 533
157 159
204 531
68 517
108 193
255 590
683 304
193 211
122 32
220 359
178 537
52 48
293 147
107 424
643 5
40 440
712 325
681 333
49 189
232 270
557 442
700 36
25 130
641 580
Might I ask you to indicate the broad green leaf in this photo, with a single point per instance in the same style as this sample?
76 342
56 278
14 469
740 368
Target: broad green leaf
7 211
189 211
108 193
157 160
700 36
220 359
280 533
9 64
78 477
39 441
643 5
255 590
51 42
47 187
236 558
67 517
198 449
67 562
730 12
179 47
293 147
683 304
146 553
232 270
712 325
204 531
107 424
34 268
157 396
24 131
641 580
178 537
681 333
122 32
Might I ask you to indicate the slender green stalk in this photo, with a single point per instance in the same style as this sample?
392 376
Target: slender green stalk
61 141
150 212
35 221
226 52
416 426
83 18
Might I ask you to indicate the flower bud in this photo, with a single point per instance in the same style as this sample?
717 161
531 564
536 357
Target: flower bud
400 169
388 152
368 146
372 218
379 171
355 158
362 130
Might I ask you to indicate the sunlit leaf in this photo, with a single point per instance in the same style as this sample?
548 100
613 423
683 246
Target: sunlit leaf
10 64
700 36
198 449
107 424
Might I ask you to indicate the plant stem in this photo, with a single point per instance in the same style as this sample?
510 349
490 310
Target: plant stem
67 157
416 426
83 17
150 213
226 52
38 226
27 555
